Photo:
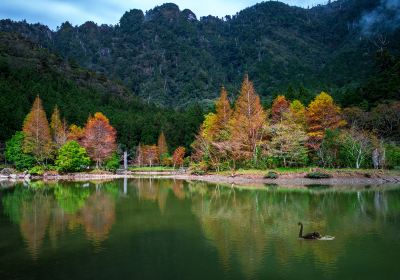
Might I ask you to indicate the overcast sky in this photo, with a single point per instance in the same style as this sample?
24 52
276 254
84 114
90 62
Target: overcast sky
54 12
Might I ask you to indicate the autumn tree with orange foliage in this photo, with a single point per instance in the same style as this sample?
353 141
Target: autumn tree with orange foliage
76 133
223 111
248 123
322 114
178 156
215 129
280 106
149 154
36 129
58 129
100 138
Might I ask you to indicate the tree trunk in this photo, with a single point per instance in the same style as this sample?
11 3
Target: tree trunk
126 160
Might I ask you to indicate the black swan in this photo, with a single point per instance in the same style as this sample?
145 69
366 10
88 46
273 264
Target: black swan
311 235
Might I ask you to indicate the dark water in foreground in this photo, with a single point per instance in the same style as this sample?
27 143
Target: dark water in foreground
166 229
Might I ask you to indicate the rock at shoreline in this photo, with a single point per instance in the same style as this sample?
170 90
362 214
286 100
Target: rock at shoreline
7 172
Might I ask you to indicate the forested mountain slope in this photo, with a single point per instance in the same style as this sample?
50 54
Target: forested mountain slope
169 57
26 70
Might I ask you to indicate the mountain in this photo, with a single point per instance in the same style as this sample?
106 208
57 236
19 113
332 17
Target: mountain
28 70
169 57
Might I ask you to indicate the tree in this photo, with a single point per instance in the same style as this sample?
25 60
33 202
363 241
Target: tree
149 154
36 129
162 145
76 133
322 114
113 162
99 139
15 154
356 117
215 129
331 148
298 112
223 110
139 155
178 156
248 123
385 119
287 143
58 129
280 106
357 146
392 156
72 157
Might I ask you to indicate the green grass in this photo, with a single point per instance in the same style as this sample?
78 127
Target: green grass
292 170
151 169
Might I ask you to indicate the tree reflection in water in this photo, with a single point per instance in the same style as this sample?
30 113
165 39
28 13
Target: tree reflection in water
40 208
253 229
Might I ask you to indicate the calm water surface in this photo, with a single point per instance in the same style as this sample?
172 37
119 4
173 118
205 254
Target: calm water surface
166 229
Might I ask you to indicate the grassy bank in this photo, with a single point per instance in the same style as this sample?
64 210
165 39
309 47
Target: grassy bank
152 169
299 171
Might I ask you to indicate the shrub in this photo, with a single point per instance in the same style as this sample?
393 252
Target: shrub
271 175
112 164
15 154
392 156
72 157
199 168
318 175
37 170
167 161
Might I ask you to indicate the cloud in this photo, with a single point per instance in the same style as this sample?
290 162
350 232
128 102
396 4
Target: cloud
386 16
54 12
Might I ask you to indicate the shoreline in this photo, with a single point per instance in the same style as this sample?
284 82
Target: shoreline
293 179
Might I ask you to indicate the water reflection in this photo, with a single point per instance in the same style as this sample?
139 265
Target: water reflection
55 208
250 230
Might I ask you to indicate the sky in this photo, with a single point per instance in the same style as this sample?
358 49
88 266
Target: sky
54 12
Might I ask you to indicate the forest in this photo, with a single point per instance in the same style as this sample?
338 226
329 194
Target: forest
245 135
169 57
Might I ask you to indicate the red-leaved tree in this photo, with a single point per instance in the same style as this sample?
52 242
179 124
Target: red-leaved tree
178 156
100 138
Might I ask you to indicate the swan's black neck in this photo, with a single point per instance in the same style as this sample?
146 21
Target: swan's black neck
301 230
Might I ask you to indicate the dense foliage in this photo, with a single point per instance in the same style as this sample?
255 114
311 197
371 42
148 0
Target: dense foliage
72 157
290 135
27 70
169 57
15 154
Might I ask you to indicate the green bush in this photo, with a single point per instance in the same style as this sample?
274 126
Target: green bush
112 164
72 157
186 161
15 154
199 168
392 156
37 170
318 175
271 175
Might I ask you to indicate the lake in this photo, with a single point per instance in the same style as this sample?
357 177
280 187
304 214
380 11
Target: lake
170 229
